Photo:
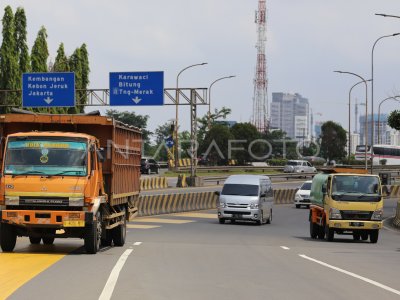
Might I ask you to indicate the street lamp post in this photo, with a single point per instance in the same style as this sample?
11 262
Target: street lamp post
176 156
379 115
366 112
348 156
372 87
209 99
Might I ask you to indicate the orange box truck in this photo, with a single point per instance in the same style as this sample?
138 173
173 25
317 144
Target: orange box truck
67 176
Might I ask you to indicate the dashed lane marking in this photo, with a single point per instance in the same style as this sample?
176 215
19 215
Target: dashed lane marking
285 248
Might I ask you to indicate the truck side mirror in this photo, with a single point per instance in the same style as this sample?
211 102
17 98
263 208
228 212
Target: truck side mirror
324 189
101 154
217 193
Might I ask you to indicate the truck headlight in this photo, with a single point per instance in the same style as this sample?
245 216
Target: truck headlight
76 201
12 200
377 215
253 205
334 214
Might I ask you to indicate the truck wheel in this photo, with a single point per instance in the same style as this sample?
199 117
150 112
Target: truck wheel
48 240
364 235
313 230
92 238
8 237
321 232
106 240
373 236
34 240
329 233
356 236
119 233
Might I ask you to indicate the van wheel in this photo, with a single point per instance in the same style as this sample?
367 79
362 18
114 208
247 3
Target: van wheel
298 205
221 221
269 220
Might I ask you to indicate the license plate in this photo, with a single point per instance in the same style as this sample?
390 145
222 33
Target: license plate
237 216
357 224
74 223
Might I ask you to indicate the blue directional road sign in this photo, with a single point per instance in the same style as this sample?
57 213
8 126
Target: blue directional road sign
136 88
169 142
48 89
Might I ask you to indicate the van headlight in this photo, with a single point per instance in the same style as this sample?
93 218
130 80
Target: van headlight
222 205
253 205
298 197
334 214
377 215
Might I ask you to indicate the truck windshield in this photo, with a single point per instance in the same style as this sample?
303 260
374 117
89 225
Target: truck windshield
356 188
240 189
45 156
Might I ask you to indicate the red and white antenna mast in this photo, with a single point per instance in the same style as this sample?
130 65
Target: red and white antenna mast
260 105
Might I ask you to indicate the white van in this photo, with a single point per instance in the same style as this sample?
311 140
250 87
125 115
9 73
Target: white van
246 197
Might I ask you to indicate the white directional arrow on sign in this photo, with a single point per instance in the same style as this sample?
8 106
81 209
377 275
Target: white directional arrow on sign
136 99
48 100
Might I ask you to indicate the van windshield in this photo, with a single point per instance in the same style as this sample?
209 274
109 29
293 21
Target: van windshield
240 189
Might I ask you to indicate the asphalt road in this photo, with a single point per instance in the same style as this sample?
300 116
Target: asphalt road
192 256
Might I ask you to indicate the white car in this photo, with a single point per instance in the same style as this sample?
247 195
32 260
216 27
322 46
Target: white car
302 196
299 166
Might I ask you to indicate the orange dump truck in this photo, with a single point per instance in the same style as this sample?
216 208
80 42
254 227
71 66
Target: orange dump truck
67 176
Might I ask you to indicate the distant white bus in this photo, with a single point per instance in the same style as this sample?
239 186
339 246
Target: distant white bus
390 153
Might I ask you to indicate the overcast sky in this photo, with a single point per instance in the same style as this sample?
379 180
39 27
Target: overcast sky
306 41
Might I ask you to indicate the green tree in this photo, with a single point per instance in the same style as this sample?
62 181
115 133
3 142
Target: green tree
75 65
21 46
161 133
85 71
394 119
8 60
61 63
247 133
216 144
214 117
40 52
333 141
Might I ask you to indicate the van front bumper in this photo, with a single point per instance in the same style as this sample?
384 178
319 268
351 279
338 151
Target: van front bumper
239 214
354 224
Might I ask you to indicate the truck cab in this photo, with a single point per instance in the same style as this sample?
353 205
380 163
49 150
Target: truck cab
346 204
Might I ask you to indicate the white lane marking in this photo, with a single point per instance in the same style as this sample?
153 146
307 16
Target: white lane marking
137 244
370 281
285 248
112 280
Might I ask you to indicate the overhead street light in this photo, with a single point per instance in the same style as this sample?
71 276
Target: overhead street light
372 87
379 114
366 112
348 156
209 98
176 156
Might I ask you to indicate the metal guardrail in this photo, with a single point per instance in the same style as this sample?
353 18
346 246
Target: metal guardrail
219 179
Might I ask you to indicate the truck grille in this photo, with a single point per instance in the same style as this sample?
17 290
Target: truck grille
43 201
356 215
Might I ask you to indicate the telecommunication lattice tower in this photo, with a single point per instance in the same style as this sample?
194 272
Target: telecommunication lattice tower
260 105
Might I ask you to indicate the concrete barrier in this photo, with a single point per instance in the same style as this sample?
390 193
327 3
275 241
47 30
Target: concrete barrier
284 196
173 203
153 183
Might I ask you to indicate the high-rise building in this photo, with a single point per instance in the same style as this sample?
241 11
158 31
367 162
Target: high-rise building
290 113
382 126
